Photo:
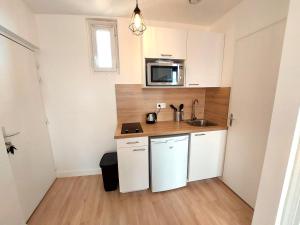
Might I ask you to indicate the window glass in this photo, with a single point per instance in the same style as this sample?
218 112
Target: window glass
104 45
103 49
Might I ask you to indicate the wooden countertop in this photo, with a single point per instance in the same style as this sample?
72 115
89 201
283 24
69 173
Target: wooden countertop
166 128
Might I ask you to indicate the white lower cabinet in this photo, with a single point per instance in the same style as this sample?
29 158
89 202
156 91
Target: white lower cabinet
133 164
206 157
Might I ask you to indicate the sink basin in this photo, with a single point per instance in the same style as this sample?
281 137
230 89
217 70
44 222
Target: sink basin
201 123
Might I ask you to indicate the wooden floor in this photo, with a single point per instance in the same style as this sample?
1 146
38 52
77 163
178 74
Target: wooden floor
83 201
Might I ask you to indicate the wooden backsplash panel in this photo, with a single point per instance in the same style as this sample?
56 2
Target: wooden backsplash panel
134 102
217 105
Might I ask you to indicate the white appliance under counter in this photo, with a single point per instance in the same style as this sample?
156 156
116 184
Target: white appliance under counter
169 162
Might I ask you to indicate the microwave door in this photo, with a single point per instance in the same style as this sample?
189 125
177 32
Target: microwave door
162 75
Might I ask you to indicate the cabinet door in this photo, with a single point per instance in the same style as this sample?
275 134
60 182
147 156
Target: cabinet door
206 155
204 59
149 43
161 42
133 168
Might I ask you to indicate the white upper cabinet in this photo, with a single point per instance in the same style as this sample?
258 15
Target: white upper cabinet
161 42
204 59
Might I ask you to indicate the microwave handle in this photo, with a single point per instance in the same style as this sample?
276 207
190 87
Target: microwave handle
164 61
182 73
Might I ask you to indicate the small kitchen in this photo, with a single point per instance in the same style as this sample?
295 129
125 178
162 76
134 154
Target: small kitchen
172 128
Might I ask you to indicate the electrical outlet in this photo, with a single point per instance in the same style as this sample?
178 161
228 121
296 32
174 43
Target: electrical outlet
161 105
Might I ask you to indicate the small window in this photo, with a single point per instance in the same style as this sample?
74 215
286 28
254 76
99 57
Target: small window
105 53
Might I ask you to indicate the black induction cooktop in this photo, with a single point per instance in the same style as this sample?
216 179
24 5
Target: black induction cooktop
129 128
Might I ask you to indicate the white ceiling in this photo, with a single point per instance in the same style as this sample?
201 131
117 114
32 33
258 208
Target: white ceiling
204 13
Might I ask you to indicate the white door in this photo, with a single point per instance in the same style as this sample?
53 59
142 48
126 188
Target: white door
169 159
257 61
10 209
204 59
206 155
21 110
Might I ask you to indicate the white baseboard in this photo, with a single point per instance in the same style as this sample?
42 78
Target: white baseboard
77 173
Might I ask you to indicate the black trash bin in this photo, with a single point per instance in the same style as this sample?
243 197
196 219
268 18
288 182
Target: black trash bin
109 167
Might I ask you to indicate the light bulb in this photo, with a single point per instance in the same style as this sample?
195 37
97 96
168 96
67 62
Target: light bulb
137 21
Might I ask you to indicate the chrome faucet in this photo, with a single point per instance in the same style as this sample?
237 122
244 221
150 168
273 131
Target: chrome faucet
193 117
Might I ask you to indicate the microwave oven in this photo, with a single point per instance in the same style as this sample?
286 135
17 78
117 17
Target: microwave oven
161 72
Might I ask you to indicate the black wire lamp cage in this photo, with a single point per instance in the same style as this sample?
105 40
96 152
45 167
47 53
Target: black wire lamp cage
137 25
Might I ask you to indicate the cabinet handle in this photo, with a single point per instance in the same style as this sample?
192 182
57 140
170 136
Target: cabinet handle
193 84
166 55
132 142
139 149
199 135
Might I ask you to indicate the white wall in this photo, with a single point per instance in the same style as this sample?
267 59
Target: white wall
285 111
246 18
80 104
16 16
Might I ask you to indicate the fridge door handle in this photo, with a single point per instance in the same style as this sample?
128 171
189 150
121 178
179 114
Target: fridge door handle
184 139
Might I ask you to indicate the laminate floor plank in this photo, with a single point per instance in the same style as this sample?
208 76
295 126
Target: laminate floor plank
83 201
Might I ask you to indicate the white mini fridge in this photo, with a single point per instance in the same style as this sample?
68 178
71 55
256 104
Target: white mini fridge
169 162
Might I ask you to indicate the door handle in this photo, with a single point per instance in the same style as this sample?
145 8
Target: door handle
231 119
10 148
5 135
11 135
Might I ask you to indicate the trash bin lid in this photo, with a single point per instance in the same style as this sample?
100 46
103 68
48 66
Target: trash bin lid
109 159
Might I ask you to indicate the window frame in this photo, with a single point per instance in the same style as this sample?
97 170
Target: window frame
95 24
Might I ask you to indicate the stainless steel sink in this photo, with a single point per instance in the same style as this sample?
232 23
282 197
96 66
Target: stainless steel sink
201 123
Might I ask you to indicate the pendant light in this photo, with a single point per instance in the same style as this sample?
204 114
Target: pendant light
137 25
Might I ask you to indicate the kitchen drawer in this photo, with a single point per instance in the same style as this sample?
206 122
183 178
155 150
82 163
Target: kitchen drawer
132 142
